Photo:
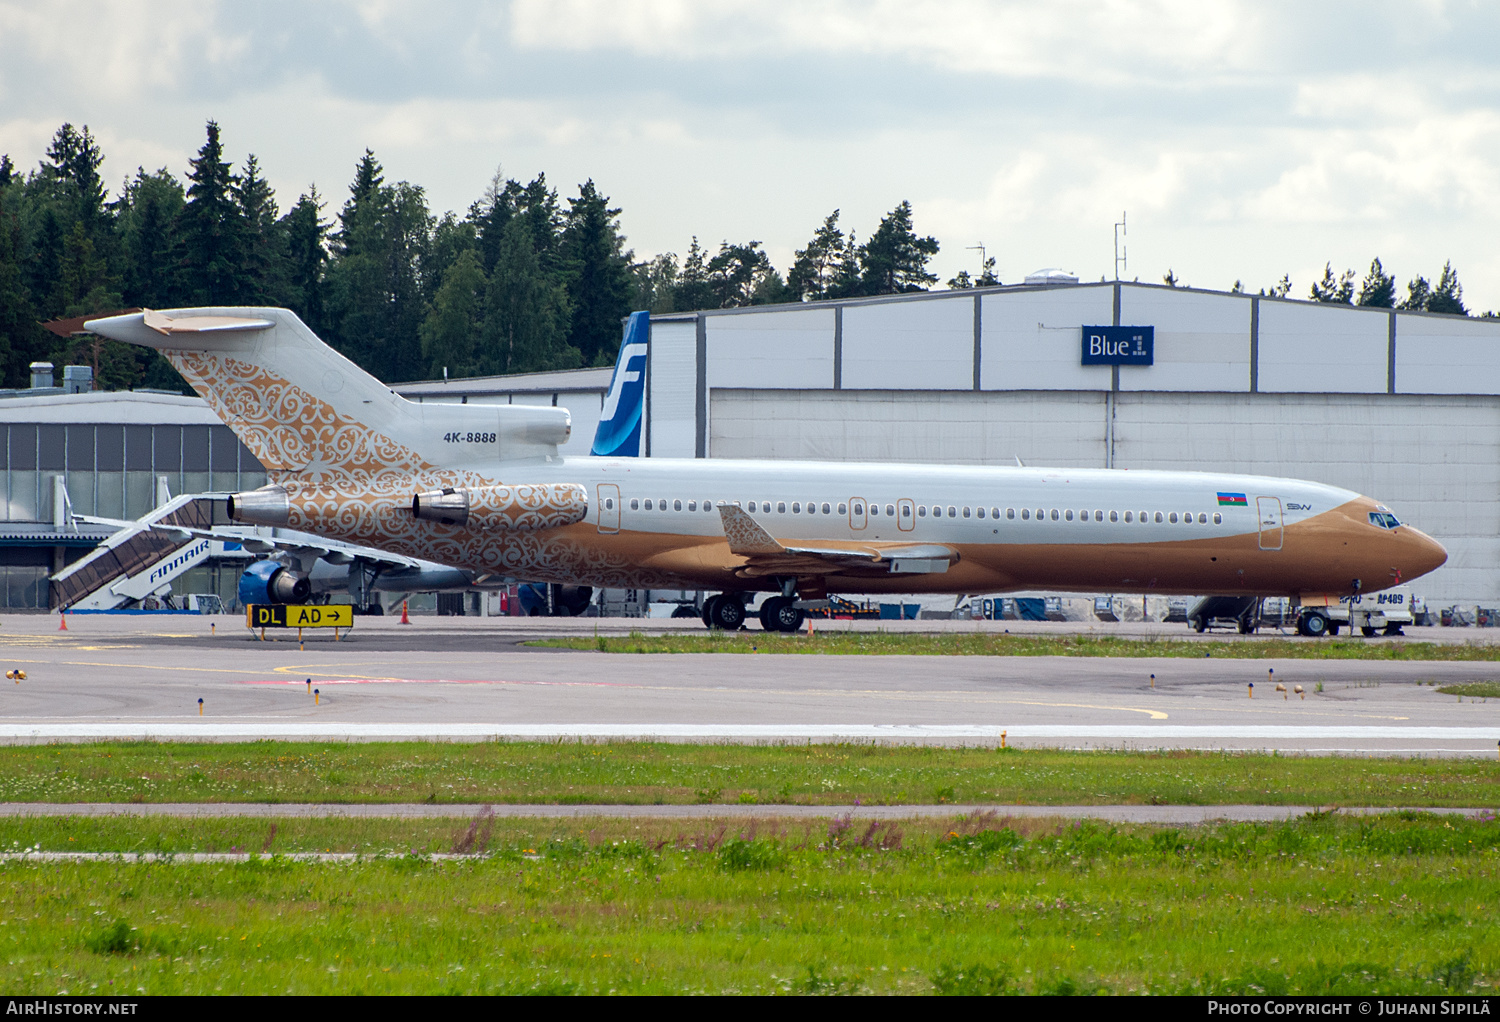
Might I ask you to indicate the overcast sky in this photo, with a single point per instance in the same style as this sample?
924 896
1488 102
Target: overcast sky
1246 140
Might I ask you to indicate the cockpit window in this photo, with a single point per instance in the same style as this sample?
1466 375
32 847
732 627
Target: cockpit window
1383 519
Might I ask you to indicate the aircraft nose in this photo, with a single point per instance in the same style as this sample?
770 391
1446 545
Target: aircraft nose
1422 553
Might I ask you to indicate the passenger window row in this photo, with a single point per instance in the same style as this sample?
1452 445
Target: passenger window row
1144 517
952 511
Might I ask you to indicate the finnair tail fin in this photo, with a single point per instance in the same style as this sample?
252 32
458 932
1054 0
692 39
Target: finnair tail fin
619 432
302 407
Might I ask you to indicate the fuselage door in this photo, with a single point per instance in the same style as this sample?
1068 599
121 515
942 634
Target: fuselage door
856 513
906 515
609 507
1269 510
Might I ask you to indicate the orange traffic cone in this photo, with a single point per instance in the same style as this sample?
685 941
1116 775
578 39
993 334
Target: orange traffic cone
404 619
62 619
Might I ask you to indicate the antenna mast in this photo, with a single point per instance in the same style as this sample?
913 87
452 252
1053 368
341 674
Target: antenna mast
1122 261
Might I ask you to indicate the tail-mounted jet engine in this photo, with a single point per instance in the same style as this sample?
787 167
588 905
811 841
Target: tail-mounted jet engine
520 506
269 582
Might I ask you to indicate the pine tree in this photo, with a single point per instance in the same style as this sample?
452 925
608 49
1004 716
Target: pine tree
693 289
526 312
1334 292
306 254
46 265
369 178
451 331
895 260
74 162
1378 288
815 267
737 273
149 207
656 283
598 275
262 261
490 215
7 170
1282 288
19 334
211 229
1418 292
1448 294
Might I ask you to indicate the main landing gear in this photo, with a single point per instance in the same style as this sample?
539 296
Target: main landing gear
727 612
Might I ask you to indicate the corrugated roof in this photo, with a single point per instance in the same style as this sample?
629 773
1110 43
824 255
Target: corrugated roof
119 406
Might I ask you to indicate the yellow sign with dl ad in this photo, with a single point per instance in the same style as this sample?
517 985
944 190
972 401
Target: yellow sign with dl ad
285 615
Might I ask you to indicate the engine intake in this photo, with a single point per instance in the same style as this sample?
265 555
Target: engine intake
517 507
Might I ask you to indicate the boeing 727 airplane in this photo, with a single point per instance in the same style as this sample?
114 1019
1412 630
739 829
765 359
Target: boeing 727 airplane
483 487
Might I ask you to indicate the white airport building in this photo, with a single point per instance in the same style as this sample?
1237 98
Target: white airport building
1402 406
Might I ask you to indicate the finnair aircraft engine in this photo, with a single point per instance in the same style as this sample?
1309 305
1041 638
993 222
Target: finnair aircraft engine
271 582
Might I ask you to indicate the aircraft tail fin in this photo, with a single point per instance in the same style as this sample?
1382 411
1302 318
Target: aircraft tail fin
620 422
301 407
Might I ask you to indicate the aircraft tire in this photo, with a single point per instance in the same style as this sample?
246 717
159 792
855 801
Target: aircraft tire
1314 625
708 610
1368 632
778 614
728 613
1394 630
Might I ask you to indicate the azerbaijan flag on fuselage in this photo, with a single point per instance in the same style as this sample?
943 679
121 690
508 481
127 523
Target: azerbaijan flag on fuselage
1232 500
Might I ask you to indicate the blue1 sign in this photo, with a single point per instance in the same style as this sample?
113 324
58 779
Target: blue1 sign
1118 345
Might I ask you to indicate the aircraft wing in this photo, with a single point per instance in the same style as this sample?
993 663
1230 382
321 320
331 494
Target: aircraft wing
765 555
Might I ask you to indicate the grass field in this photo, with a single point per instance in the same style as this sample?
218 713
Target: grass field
985 905
644 773
988 643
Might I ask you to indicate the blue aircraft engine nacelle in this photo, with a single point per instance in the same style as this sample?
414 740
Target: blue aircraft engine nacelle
269 582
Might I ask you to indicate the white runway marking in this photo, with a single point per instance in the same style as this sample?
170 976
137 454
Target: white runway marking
219 730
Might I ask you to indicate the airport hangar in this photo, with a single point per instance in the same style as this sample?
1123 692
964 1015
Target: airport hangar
1402 406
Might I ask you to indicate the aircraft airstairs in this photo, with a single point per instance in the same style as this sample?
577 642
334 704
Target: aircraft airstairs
138 560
